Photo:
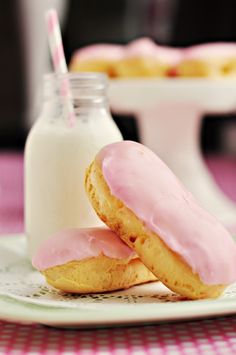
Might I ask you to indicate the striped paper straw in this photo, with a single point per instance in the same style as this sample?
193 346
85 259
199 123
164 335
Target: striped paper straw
58 58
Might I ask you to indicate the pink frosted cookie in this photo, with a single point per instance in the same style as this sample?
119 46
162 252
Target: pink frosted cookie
139 58
97 58
89 260
141 200
208 60
144 58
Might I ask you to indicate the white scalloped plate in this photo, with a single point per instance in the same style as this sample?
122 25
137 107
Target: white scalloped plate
25 297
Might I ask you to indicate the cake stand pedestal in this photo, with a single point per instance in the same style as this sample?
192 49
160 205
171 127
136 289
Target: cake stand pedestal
169 114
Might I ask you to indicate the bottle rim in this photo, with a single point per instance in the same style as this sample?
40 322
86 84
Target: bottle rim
86 88
82 79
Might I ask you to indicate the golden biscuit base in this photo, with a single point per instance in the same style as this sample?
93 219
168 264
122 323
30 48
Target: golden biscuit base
139 67
169 267
151 68
98 274
101 66
208 68
125 68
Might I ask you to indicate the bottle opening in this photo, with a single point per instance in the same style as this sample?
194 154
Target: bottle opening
76 86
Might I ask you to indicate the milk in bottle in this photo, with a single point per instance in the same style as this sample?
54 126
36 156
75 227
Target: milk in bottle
58 152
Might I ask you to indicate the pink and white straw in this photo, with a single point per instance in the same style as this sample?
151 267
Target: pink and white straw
58 58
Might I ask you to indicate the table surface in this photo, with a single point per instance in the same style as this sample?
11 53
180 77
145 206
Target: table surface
211 336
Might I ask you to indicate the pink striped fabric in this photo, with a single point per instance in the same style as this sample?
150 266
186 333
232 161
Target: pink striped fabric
11 193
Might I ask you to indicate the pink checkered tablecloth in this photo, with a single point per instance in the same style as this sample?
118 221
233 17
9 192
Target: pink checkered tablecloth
11 193
211 336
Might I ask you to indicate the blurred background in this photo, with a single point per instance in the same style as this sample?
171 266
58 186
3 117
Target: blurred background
25 56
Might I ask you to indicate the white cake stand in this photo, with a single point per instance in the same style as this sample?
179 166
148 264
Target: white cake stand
169 114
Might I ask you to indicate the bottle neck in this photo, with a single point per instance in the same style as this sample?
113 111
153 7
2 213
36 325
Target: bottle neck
82 91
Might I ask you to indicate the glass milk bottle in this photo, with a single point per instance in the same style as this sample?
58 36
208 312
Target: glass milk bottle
58 152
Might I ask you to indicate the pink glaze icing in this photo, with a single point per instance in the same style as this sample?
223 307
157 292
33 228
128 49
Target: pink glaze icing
169 55
137 177
99 51
144 47
79 244
211 50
